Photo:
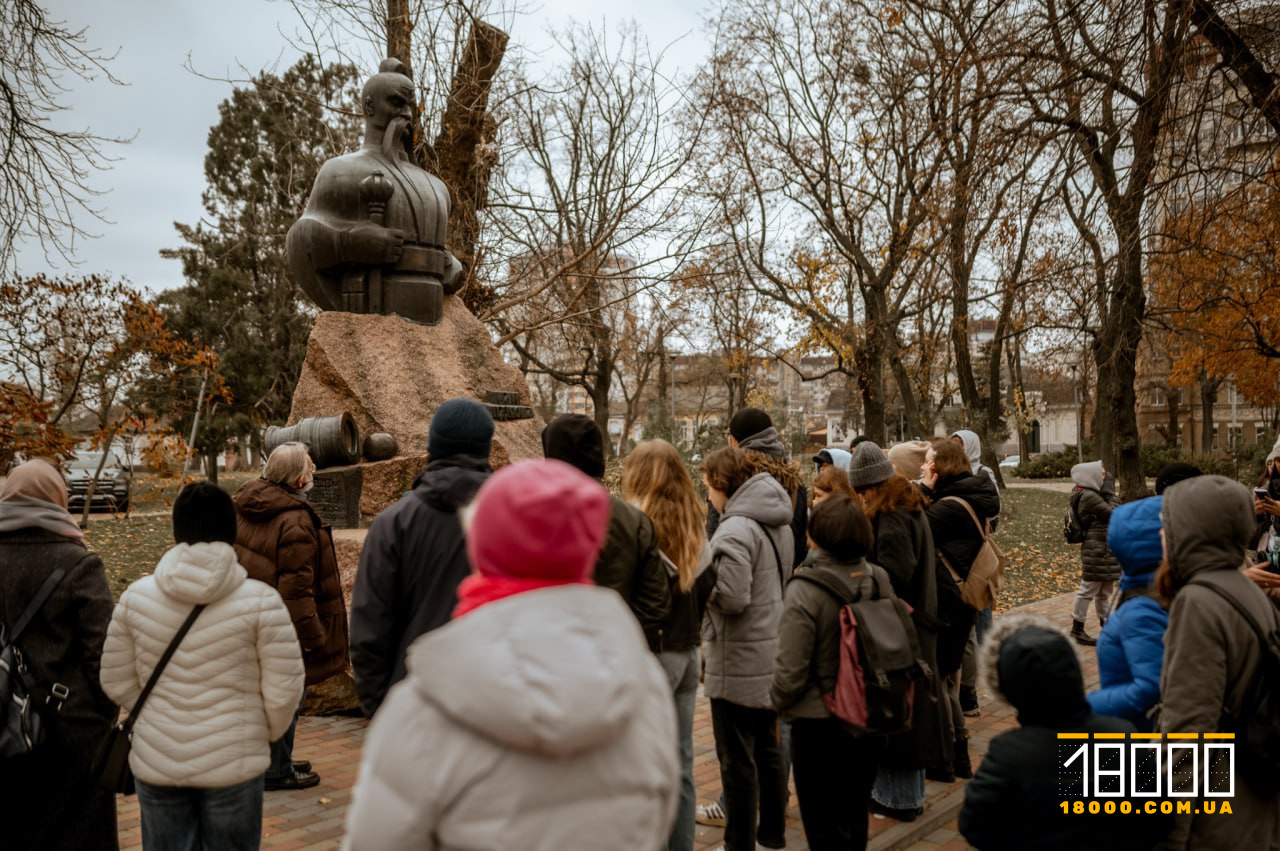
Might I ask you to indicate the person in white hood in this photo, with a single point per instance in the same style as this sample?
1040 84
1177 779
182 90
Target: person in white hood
537 719
201 740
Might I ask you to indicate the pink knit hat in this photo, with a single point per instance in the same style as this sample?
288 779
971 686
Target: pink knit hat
538 520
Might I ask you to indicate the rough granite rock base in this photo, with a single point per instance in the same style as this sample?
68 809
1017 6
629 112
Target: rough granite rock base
391 375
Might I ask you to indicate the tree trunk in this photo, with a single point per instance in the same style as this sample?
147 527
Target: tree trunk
850 412
1174 396
871 386
910 408
1208 398
1116 438
464 153
211 459
399 32
1237 55
600 413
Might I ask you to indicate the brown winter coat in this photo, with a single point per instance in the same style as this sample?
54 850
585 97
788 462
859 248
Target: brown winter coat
281 541
1211 654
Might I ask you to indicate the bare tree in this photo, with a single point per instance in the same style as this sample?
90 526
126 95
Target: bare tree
1102 74
825 162
738 324
46 170
588 213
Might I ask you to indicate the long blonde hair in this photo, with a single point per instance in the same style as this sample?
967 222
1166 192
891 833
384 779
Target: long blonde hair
655 480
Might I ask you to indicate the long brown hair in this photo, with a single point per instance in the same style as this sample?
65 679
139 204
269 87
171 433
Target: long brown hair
892 494
655 480
949 459
833 480
1165 586
727 469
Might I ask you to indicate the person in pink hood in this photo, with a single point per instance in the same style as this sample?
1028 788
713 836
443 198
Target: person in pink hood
537 718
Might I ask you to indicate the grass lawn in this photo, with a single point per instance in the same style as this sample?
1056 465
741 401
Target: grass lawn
131 546
1041 564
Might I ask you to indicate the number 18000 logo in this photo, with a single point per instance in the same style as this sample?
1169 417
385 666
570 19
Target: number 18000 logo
1146 766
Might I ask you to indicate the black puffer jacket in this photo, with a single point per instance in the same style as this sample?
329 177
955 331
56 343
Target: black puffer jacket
48 798
1093 500
1097 564
413 559
1015 800
955 535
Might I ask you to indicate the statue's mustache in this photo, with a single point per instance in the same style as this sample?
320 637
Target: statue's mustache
393 138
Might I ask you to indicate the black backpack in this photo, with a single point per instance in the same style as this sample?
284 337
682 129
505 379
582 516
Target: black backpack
21 728
1073 530
880 658
1257 727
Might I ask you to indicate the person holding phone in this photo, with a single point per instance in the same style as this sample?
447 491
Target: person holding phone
1265 545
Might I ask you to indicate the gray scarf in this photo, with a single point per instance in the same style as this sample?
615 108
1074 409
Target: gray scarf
765 442
26 512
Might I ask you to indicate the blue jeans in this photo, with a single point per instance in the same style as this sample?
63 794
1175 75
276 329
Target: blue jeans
984 623
282 753
683 671
899 788
182 818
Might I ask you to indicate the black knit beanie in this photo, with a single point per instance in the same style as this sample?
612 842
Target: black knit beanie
575 439
747 422
460 427
1172 473
203 513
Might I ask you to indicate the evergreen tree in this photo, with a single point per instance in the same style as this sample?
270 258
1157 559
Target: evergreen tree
270 141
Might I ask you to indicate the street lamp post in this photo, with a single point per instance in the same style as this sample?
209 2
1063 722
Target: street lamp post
1079 400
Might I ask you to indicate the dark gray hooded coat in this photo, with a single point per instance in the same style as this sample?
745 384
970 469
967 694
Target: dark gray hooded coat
1210 653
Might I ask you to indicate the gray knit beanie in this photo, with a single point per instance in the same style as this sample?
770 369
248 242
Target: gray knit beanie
870 466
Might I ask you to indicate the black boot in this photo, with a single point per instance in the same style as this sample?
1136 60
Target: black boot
940 772
963 768
1082 637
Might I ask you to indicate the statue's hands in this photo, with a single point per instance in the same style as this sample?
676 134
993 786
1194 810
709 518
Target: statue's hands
373 244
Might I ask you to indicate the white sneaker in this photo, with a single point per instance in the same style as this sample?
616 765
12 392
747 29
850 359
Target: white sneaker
711 815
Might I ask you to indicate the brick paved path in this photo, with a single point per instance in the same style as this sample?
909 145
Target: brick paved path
313 818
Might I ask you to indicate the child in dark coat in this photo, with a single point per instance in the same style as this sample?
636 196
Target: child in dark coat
1015 799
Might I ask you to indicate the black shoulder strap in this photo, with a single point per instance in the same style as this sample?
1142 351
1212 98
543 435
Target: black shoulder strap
840 592
1235 604
51 582
782 574
164 660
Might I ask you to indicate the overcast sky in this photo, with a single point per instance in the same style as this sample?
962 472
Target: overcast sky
168 111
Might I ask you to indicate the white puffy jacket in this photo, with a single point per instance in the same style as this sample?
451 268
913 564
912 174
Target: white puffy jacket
540 722
233 684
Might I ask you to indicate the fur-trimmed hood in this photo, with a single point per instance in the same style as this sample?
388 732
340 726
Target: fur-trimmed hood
785 472
1029 663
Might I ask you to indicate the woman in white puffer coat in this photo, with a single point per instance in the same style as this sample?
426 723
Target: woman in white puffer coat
201 741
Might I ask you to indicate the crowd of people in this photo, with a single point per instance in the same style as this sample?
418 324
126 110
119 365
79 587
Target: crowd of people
530 647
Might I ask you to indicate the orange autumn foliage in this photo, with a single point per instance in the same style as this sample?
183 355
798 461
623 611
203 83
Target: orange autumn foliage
1216 286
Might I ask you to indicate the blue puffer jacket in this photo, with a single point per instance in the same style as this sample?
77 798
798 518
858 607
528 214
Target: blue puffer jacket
1131 647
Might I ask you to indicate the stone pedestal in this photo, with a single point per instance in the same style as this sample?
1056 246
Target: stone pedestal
392 374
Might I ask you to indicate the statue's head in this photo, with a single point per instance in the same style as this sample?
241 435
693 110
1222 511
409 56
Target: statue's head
387 102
